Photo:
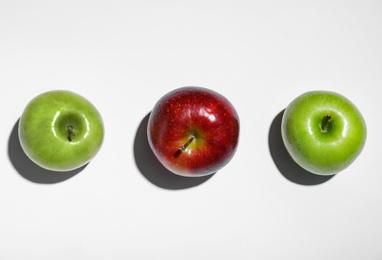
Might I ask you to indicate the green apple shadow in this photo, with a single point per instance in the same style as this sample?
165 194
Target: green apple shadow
28 169
153 170
284 162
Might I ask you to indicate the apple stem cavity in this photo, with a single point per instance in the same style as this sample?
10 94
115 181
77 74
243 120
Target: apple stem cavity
326 124
183 147
70 133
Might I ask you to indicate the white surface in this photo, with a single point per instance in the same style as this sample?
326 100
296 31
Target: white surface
123 56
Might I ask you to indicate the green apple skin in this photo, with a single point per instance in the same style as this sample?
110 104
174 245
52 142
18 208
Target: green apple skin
314 149
44 134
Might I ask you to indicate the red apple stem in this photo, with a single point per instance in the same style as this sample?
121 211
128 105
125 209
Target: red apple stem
326 124
183 147
70 130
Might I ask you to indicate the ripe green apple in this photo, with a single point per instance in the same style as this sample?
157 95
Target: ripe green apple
60 130
323 132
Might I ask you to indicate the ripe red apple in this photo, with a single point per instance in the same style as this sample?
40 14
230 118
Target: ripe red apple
193 131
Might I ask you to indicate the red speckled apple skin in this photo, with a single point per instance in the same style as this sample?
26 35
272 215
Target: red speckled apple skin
198 113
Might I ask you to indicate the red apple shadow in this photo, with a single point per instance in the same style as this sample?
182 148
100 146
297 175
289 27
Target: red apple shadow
284 162
28 169
153 170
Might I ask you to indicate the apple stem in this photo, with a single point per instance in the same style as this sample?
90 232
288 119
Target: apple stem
71 134
184 147
326 124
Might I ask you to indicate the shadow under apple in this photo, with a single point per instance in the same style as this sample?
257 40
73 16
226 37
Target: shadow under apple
28 169
153 170
284 162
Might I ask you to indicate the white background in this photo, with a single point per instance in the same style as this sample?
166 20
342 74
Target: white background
123 56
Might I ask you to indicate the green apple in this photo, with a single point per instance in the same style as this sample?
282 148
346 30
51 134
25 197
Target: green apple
323 132
60 130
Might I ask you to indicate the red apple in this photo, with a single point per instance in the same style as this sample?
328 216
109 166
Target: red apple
193 131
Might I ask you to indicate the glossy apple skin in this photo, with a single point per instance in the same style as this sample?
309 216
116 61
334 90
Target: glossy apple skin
44 136
317 151
193 112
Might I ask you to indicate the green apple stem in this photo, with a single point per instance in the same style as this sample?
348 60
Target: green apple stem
326 124
184 147
70 132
